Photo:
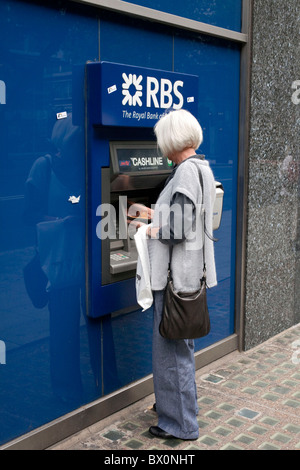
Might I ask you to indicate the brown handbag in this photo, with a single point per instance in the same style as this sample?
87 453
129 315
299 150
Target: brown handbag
185 315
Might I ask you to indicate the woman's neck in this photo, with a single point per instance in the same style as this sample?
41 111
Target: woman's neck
179 157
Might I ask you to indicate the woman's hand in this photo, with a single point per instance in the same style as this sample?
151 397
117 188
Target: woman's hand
136 223
139 211
152 232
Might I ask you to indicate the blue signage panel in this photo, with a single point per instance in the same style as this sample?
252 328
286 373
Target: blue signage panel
123 95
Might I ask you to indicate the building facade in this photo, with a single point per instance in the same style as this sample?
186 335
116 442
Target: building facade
61 366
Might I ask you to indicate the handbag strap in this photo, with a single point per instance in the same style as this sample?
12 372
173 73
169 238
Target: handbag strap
204 225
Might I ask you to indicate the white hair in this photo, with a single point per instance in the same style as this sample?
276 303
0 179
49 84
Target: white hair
177 131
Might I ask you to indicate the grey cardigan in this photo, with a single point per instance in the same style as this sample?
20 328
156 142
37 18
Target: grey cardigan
187 256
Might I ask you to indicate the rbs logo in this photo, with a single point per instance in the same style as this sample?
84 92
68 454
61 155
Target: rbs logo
159 93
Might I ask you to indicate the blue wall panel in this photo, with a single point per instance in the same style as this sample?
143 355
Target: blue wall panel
46 374
57 359
135 44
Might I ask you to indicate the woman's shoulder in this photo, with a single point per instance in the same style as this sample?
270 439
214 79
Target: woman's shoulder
187 178
190 168
195 165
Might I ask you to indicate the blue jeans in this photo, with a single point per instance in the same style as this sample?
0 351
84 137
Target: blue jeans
174 380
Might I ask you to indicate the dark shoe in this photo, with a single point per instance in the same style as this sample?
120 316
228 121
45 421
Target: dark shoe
154 407
157 432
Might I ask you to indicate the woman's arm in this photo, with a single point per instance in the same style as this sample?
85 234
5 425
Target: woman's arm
179 223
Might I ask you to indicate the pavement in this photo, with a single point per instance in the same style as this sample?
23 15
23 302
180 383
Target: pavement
247 401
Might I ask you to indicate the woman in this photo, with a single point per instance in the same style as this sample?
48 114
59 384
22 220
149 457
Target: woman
179 135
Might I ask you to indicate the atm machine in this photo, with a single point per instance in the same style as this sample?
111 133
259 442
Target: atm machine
130 185
124 172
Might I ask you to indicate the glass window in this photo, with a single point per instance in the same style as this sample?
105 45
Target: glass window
225 14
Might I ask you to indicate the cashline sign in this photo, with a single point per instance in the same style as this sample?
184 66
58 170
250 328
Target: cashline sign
133 159
123 95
